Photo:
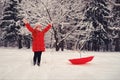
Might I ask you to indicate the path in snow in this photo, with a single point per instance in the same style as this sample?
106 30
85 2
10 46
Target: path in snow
16 64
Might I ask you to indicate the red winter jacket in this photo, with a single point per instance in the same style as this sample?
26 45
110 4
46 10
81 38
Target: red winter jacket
38 37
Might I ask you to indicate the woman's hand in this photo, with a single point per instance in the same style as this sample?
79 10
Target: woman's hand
25 21
51 23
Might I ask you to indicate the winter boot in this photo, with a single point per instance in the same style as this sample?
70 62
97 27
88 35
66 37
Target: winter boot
38 64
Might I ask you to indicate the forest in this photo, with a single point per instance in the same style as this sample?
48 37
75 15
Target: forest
91 25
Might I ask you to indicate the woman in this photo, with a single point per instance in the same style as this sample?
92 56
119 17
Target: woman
38 45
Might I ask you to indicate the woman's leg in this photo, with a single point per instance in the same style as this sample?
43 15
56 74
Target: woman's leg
34 58
39 58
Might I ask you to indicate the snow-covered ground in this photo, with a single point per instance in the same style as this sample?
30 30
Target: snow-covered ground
16 64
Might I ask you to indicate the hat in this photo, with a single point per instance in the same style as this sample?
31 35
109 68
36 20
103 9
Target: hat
37 25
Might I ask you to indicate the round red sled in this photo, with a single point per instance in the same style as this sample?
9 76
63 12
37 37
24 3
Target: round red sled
83 60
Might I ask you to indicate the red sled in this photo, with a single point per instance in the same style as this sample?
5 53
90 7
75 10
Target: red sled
84 60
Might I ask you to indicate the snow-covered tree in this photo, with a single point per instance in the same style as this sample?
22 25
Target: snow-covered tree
8 22
34 11
67 15
115 23
95 13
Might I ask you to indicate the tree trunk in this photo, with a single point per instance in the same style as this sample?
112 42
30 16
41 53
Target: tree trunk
117 45
5 43
19 41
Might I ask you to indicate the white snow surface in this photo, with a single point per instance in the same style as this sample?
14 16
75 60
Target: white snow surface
16 64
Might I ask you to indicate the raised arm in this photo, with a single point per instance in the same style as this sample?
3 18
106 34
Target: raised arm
27 25
47 28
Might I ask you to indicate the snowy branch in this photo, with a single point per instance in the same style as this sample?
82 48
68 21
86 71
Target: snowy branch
113 3
115 28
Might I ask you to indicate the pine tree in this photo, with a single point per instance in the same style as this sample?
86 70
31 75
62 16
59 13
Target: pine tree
116 25
95 13
9 18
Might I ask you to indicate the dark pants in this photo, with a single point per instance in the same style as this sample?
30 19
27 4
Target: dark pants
37 57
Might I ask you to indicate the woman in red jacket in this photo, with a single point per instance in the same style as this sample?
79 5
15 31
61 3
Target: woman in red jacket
38 45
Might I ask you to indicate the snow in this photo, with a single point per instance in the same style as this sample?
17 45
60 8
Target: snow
16 64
